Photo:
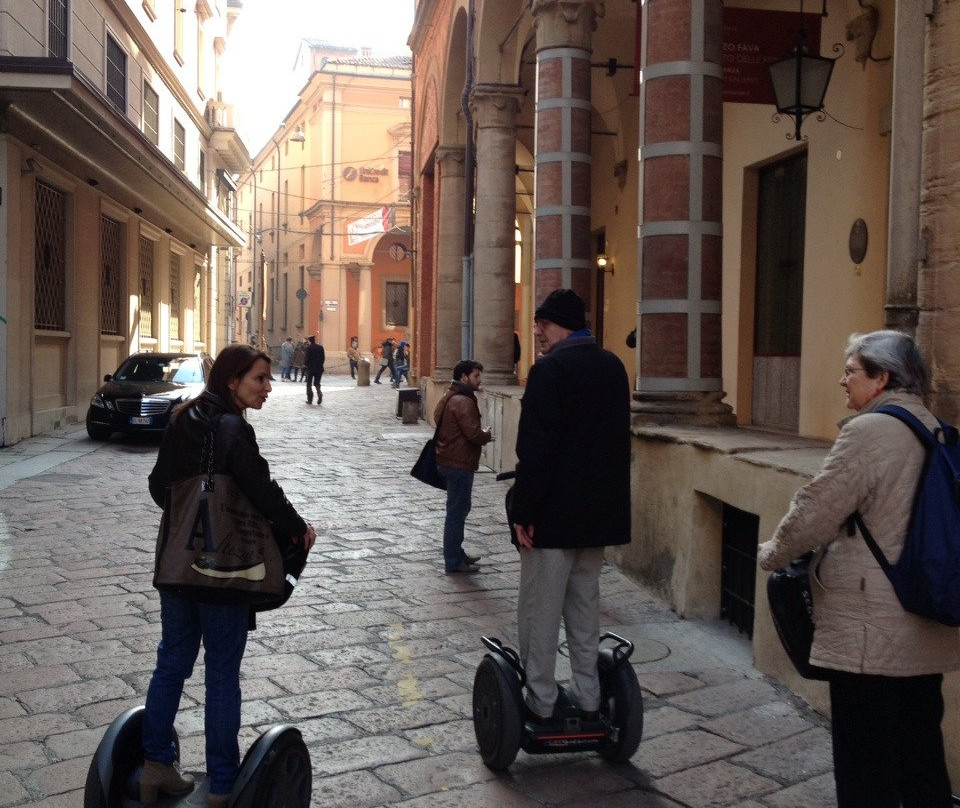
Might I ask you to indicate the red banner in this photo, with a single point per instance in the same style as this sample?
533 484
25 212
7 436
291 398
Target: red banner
751 40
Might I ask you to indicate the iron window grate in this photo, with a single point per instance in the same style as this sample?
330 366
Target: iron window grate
146 288
111 276
50 267
739 567
174 296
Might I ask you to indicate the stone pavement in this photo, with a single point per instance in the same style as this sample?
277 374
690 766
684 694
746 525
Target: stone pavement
373 657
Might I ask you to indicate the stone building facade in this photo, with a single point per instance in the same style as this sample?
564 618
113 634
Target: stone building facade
551 134
118 211
327 206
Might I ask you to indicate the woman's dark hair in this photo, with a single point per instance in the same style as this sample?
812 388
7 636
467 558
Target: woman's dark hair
897 354
231 363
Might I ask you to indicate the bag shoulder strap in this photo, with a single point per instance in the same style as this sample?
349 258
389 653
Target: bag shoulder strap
207 449
436 432
929 440
924 435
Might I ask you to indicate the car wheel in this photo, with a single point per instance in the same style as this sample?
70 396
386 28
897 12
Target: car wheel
98 431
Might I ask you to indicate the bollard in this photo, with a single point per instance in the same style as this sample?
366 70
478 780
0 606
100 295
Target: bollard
411 412
363 373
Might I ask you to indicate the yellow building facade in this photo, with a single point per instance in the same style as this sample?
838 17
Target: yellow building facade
327 207
741 255
118 213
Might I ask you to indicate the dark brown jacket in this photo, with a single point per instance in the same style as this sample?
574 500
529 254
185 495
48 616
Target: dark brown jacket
460 437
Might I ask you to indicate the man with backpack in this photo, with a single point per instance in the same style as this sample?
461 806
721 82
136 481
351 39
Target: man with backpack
885 663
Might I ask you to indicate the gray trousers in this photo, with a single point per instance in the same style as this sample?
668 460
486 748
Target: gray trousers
555 584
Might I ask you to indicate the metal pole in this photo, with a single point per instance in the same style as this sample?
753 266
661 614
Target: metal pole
466 314
276 263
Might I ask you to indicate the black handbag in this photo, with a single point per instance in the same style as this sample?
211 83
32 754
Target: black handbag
791 607
425 469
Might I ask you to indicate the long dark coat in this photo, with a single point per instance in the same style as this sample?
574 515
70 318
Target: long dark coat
573 448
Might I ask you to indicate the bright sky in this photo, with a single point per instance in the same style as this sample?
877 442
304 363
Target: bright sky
260 81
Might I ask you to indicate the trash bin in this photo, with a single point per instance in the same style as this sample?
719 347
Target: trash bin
363 373
413 394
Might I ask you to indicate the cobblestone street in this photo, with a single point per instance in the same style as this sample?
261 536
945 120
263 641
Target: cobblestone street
373 657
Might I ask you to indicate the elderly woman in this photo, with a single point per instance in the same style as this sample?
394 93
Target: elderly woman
888 664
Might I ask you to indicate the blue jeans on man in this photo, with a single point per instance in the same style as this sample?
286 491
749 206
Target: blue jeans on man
223 630
459 502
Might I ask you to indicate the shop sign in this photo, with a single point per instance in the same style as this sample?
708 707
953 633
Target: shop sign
752 38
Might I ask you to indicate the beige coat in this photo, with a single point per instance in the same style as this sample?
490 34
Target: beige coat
860 625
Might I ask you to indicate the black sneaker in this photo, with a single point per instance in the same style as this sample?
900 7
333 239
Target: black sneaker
469 559
463 567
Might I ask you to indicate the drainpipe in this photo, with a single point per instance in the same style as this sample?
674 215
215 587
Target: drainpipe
466 312
906 133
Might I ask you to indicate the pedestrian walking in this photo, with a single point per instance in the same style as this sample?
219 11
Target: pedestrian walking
571 499
298 369
401 363
386 353
886 664
314 358
286 359
353 354
239 379
460 439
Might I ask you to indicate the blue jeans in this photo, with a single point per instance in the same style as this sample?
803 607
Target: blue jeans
459 502
223 629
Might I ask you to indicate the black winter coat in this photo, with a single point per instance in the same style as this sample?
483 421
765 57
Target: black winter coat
573 448
235 452
315 357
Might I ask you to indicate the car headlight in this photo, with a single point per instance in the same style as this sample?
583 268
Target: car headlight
98 401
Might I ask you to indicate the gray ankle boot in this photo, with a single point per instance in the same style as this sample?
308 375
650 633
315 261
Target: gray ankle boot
163 778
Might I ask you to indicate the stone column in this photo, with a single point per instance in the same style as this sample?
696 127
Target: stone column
364 308
495 108
938 331
680 272
449 261
563 244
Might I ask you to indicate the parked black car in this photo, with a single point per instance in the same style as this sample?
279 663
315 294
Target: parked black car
141 395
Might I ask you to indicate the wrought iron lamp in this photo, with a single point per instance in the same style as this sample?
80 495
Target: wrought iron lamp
800 83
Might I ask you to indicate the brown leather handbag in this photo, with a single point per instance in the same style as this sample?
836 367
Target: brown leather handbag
214 546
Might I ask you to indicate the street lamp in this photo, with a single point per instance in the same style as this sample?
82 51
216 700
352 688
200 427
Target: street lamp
800 81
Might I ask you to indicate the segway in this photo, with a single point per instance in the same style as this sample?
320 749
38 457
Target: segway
275 773
502 726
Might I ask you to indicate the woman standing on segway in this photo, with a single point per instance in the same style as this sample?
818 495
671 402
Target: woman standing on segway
240 379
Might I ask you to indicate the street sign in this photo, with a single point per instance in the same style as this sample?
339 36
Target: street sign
244 299
301 293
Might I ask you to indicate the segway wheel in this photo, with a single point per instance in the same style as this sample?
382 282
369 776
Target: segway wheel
113 778
622 702
282 776
497 714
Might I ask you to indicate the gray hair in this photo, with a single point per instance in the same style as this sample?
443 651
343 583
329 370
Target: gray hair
897 354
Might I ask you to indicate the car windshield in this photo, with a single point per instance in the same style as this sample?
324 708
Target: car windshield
177 369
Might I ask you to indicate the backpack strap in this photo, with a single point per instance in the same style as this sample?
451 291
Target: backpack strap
925 436
929 440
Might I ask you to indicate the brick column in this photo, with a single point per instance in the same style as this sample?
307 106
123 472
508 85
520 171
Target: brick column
449 264
563 245
495 108
680 272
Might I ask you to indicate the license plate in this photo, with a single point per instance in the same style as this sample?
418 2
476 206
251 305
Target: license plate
141 420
